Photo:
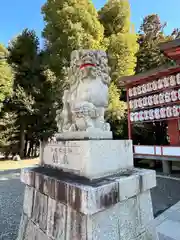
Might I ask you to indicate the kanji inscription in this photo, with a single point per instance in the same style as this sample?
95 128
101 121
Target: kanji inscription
59 153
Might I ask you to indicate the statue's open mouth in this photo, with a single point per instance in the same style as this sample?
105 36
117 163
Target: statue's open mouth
87 65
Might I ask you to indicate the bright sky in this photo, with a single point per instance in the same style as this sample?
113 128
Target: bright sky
15 15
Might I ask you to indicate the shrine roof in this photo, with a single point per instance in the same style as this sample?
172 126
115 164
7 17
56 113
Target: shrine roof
148 75
169 45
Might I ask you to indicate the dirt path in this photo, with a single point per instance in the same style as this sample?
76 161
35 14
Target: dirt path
11 165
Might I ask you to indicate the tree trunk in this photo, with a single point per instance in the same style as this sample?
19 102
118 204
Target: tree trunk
30 148
22 139
25 148
35 150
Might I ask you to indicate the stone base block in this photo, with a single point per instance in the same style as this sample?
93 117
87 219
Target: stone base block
91 135
91 159
64 208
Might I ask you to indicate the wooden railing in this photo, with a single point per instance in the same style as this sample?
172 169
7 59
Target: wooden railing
157 151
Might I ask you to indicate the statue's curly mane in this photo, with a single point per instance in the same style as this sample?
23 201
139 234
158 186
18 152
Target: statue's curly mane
94 59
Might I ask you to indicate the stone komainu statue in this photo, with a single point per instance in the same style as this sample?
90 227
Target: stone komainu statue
85 101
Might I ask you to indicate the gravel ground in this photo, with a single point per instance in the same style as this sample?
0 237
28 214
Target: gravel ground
11 198
166 194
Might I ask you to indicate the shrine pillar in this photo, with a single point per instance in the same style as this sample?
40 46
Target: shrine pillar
173 132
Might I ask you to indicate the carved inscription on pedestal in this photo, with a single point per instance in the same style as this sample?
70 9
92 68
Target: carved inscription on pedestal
59 154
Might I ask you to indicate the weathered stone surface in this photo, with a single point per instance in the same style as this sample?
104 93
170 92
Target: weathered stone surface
102 209
40 235
28 201
117 222
27 176
76 226
40 210
22 227
49 186
39 182
61 191
34 233
91 159
105 224
129 186
122 221
89 197
145 208
56 220
31 231
148 179
96 135
74 197
148 234
129 221
140 180
96 199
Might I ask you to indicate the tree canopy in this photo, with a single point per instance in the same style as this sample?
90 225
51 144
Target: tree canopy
121 37
34 93
32 80
6 76
70 25
121 42
149 56
150 36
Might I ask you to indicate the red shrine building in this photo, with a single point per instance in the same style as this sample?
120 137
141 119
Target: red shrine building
155 96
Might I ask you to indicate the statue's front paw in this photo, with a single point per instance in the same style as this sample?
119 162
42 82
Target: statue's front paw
81 124
107 127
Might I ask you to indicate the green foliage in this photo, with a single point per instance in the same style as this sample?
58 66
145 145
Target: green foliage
116 108
39 76
122 46
23 101
8 132
115 17
122 49
149 56
152 27
116 112
151 35
121 38
34 99
6 76
74 24
23 57
70 25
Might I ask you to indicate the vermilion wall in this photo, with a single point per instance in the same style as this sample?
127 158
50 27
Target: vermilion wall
173 132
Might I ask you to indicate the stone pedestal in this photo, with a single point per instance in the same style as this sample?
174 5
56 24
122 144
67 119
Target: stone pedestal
84 135
91 159
79 205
